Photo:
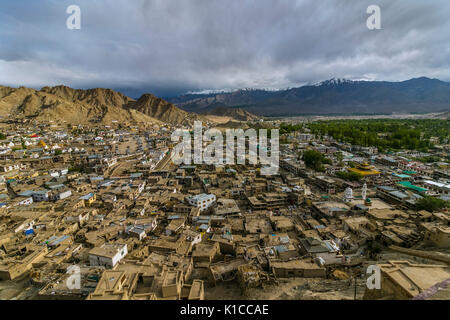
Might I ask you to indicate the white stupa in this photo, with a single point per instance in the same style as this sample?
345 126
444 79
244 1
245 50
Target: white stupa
364 191
348 194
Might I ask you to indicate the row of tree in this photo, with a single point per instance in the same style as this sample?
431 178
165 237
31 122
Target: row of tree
385 134
315 160
432 204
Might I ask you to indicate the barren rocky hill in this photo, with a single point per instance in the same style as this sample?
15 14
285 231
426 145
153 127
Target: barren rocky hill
160 109
235 113
96 97
76 106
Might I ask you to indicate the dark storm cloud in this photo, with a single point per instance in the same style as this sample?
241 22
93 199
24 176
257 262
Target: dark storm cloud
174 46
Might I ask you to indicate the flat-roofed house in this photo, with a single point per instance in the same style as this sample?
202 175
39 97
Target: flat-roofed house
107 255
202 201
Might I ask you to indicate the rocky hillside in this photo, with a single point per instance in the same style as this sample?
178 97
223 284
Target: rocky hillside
162 110
66 105
96 97
243 97
234 113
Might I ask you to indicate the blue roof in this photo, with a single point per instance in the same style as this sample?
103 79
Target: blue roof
40 192
26 193
106 183
136 175
56 186
87 197
399 194
54 240
387 188
403 176
281 248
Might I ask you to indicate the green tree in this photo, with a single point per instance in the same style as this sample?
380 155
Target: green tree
314 159
432 204
339 156
350 176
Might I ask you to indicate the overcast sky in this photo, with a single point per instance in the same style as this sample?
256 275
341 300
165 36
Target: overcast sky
170 47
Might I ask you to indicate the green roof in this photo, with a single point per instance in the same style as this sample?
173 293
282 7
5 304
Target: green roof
403 176
408 185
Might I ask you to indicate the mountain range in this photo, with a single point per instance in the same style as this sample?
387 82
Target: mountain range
335 96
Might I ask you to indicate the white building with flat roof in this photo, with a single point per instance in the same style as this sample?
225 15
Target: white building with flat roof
438 187
202 201
107 255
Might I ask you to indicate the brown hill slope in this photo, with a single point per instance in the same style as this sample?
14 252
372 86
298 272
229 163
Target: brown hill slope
235 113
160 109
66 105
76 106
96 97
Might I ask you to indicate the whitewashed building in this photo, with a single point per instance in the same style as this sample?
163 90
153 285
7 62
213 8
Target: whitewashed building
107 255
202 201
